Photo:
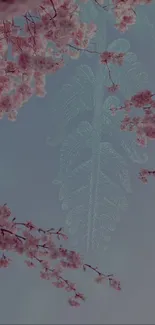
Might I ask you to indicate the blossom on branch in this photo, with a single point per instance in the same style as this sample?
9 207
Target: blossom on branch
40 247
50 29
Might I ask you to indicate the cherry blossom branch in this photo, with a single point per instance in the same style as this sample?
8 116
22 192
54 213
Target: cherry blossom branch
38 246
106 58
143 126
46 22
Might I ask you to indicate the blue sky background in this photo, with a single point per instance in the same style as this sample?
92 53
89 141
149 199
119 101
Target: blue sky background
31 149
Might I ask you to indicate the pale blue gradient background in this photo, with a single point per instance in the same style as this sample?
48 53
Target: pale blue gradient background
28 165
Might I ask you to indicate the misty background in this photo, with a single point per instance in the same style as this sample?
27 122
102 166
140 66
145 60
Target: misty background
112 222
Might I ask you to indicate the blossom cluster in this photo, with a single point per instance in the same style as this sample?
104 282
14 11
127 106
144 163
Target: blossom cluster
39 246
51 30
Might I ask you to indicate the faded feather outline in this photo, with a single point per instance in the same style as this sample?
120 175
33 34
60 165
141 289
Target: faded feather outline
82 136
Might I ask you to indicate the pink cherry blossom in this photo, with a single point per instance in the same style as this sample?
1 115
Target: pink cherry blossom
113 88
40 44
40 247
144 173
143 125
